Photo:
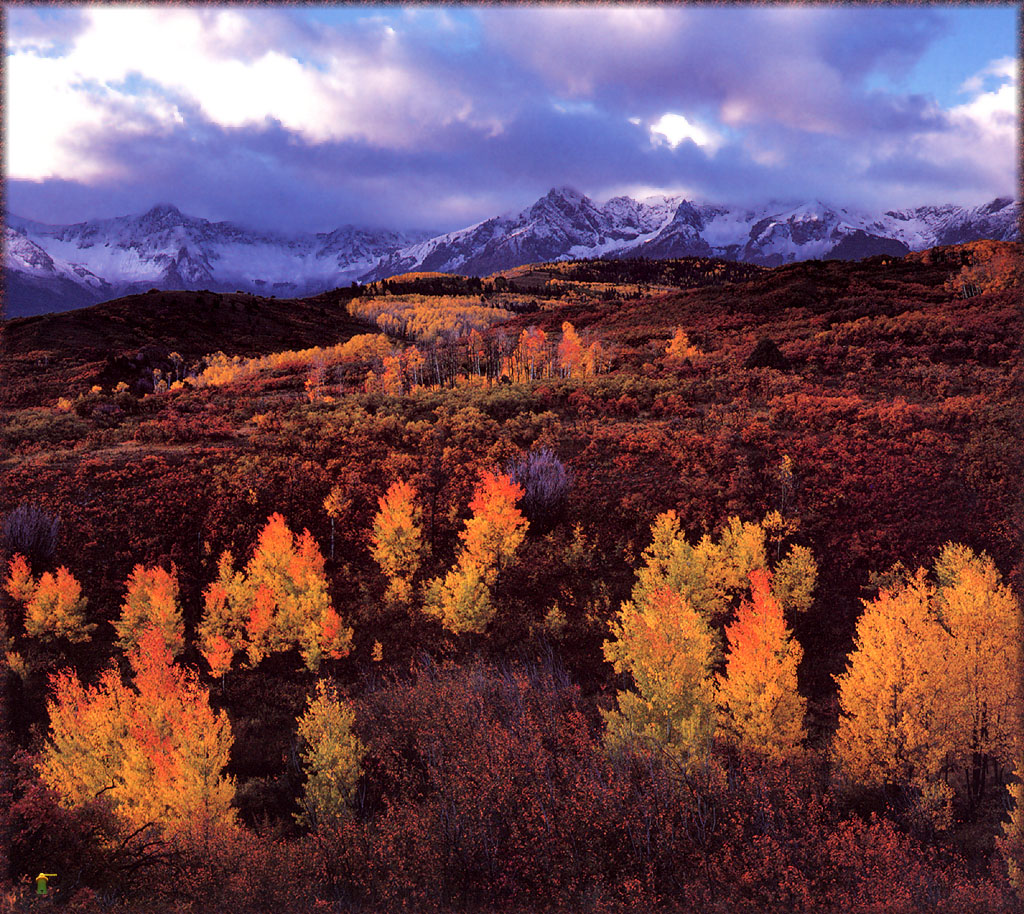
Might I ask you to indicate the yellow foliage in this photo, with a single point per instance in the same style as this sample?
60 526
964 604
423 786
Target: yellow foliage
155 751
668 649
151 601
54 605
222 369
331 755
926 695
279 601
397 539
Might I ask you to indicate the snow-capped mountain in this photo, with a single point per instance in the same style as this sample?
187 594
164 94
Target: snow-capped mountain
166 249
52 267
567 225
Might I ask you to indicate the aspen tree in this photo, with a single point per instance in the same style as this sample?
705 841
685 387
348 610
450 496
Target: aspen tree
331 757
762 710
54 605
668 649
151 601
156 750
462 600
279 601
397 539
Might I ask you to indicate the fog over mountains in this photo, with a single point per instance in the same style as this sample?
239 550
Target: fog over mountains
59 267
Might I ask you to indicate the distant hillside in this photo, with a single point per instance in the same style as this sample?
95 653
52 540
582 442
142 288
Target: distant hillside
145 328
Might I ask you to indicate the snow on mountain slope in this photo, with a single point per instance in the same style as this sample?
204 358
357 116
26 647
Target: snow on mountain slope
33 274
165 248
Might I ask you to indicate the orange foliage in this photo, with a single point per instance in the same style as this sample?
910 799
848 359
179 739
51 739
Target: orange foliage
151 601
155 751
761 707
54 605
279 601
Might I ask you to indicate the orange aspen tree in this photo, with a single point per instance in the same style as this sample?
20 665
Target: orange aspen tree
668 649
54 605
397 539
151 601
156 751
761 709
680 349
462 600
331 756
570 352
414 363
279 601
391 378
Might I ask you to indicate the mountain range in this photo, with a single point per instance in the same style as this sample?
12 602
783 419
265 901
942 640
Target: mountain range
59 267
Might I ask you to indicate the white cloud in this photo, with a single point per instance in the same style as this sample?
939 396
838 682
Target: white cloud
225 64
675 128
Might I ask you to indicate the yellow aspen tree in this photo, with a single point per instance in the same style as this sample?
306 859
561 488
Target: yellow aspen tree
983 622
461 600
1011 843
595 359
668 649
761 709
151 601
794 579
156 751
331 756
397 539
54 605
496 528
893 721
714 576
222 630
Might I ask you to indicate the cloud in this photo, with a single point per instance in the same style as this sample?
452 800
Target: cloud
305 117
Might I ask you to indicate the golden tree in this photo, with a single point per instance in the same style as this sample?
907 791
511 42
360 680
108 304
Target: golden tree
982 621
762 711
156 750
715 575
679 349
462 600
397 539
926 694
892 728
331 757
151 601
279 601
668 649
54 605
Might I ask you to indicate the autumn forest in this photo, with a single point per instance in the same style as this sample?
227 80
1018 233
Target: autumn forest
590 586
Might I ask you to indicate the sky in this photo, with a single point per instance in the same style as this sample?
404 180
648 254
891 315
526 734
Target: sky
305 118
